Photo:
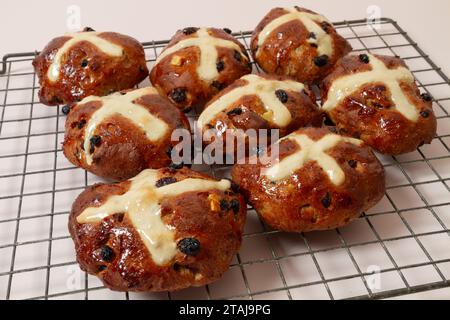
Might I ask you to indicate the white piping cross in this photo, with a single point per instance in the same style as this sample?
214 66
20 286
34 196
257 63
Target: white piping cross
311 150
207 45
141 203
322 39
347 85
104 45
125 106
264 89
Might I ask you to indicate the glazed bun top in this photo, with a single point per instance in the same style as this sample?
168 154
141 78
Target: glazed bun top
80 64
311 145
391 75
375 98
198 63
312 179
314 24
95 38
142 205
127 105
207 45
271 91
297 42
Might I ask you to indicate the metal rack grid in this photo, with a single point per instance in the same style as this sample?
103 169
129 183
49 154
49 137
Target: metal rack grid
398 247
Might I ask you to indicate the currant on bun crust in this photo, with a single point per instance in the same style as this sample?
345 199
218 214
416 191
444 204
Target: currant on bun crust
119 135
198 63
298 43
321 181
81 64
256 102
162 230
375 98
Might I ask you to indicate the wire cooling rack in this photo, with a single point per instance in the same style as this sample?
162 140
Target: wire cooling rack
401 246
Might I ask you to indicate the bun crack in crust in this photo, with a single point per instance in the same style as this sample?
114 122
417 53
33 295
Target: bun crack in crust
376 99
261 102
298 43
162 230
81 64
196 64
321 181
119 135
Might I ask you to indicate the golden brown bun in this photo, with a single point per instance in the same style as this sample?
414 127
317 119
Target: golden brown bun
123 150
291 54
307 199
86 70
180 81
249 111
130 267
368 113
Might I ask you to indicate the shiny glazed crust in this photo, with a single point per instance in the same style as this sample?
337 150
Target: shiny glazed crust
301 105
292 55
367 113
167 77
132 268
103 74
296 203
124 150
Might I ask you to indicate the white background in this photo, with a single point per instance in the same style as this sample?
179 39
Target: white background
29 25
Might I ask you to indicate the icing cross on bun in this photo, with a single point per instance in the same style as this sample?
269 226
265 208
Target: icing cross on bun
142 206
77 65
320 181
93 38
197 63
119 135
124 105
376 99
264 89
391 78
297 42
311 150
259 101
208 52
311 21
162 230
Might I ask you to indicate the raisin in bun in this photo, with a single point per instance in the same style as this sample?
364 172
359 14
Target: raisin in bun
86 63
322 181
119 135
163 230
298 43
376 99
198 63
258 101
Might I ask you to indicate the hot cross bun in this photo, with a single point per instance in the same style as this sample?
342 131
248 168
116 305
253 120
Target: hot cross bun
198 63
259 101
298 43
77 65
375 98
322 181
119 135
163 230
